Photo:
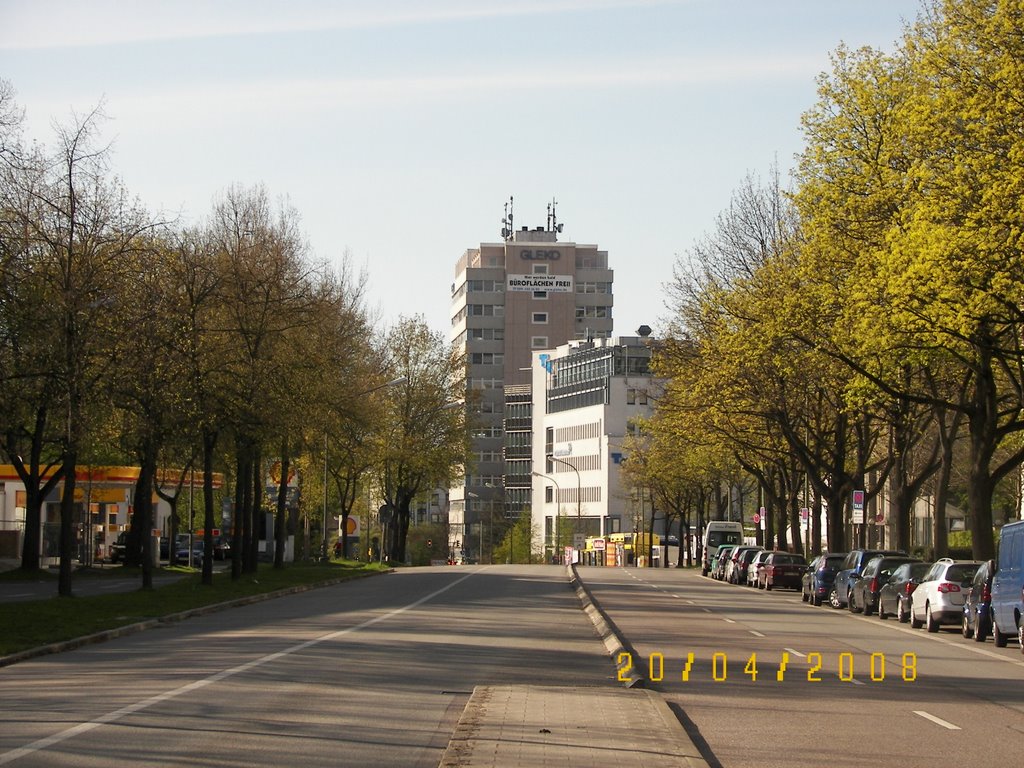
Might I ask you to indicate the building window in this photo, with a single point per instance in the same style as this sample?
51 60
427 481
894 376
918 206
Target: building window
538 342
540 318
548 494
540 294
540 269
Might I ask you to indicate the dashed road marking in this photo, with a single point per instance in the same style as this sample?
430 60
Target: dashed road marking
937 720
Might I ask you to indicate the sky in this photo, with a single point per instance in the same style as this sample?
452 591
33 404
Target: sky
398 129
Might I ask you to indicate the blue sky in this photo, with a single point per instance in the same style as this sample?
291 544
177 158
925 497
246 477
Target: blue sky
399 129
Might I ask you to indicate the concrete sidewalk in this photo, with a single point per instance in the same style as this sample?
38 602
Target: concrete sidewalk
534 726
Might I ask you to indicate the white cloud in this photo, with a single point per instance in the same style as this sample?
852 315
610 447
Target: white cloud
291 96
33 24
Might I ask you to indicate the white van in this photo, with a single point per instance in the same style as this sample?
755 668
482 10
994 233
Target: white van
716 534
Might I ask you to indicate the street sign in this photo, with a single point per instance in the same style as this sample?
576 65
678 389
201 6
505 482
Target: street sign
858 517
599 544
579 540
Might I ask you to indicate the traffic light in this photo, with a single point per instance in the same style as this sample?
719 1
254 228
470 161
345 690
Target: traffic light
430 544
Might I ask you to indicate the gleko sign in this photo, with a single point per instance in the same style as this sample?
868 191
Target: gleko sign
540 254
549 283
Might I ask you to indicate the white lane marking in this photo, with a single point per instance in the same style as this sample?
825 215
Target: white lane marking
729 621
755 633
676 596
113 717
937 720
690 602
795 653
706 610
970 647
855 681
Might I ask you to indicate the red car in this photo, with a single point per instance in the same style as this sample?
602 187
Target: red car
781 569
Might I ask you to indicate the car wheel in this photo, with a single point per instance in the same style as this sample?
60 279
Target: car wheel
998 637
914 621
930 622
981 629
851 603
1020 636
965 628
833 598
881 610
901 612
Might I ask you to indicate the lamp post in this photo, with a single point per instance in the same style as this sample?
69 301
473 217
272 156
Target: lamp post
579 491
323 532
558 509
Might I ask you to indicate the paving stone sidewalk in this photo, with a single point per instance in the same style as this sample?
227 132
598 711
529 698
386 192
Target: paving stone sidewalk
536 726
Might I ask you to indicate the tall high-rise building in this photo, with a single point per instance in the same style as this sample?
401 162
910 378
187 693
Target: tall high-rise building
529 292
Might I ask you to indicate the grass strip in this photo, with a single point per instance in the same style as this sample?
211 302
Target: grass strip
35 623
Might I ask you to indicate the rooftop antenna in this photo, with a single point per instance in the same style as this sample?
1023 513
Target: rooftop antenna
506 222
553 225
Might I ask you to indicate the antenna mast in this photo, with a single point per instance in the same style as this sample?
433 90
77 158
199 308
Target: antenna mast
507 227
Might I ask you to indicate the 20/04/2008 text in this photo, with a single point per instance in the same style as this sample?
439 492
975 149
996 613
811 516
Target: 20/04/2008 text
777 669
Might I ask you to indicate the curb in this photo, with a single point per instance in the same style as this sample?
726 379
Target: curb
613 640
171 618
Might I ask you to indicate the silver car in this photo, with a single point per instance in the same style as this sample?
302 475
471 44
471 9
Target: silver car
752 568
939 598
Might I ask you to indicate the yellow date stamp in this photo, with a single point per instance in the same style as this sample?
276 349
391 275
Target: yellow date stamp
876 666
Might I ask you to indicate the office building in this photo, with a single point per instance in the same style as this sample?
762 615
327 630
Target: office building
587 396
530 291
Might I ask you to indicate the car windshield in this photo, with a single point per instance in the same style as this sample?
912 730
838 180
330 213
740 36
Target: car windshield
718 538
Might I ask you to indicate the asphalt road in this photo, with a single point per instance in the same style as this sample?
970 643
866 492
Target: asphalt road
961 704
373 672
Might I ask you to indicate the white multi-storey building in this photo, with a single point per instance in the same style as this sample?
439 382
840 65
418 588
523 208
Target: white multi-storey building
586 397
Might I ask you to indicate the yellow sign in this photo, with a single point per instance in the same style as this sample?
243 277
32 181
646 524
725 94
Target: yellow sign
101 495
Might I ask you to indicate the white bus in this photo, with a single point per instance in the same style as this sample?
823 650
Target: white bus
717 533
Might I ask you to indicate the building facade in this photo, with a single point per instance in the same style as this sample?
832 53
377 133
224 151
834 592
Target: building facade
529 292
587 396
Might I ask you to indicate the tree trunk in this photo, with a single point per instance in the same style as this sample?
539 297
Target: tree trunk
209 443
67 512
282 505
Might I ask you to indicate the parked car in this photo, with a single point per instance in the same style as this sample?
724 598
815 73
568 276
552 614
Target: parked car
977 621
894 597
740 561
221 548
819 576
118 548
863 597
1008 587
781 569
721 558
854 563
755 564
939 598
197 554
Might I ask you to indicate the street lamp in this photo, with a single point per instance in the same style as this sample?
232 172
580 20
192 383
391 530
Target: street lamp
323 532
579 491
558 510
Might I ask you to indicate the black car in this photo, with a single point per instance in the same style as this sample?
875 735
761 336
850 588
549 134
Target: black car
977 621
118 548
818 578
854 563
894 597
863 596
741 563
